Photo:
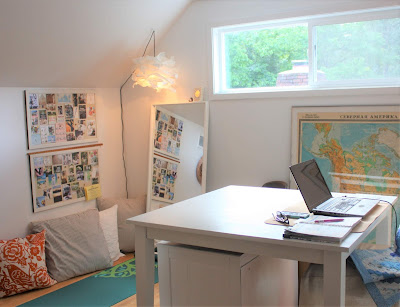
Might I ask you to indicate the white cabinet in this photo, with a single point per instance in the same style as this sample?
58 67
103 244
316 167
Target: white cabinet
193 276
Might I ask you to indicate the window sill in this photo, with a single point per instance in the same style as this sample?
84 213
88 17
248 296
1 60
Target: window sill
307 92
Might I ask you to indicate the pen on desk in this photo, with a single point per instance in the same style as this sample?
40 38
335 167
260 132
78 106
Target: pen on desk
329 221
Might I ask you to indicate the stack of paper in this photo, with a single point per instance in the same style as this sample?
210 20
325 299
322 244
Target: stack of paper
322 228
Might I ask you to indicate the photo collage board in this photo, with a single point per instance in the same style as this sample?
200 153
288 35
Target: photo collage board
59 177
60 118
168 134
164 177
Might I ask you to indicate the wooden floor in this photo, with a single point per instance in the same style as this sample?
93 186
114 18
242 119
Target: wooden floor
21 298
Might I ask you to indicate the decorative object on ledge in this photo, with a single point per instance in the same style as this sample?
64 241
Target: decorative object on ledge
59 177
58 117
198 94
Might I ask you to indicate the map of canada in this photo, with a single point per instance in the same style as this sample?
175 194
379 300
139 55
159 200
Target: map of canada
354 157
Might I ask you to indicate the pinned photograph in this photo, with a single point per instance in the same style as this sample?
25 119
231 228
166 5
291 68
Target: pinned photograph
64 98
76 158
95 180
48 160
41 182
82 98
60 128
33 101
61 119
79 135
52 117
61 138
67 159
91 128
75 100
64 178
54 180
57 196
39 171
75 186
57 159
66 192
90 98
82 111
42 101
80 193
80 176
43 117
60 110
38 162
52 129
48 193
69 111
36 139
57 169
71 178
50 102
93 157
51 139
34 117
48 170
88 176
84 157
70 137
40 202
91 111
69 125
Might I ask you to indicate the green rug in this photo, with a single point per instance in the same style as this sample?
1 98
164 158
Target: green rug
103 289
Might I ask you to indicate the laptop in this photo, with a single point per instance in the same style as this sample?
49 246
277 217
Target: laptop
318 198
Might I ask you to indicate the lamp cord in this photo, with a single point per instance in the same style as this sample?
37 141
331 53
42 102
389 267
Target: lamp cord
153 34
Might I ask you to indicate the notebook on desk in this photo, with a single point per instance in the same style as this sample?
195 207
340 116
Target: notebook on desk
318 197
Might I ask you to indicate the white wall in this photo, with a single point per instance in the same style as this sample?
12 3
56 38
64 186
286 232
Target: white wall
249 139
15 188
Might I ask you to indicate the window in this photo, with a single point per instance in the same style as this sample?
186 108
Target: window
357 49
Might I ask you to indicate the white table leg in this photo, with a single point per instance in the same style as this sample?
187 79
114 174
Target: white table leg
334 278
144 254
384 230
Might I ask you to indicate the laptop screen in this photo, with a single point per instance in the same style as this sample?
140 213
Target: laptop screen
311 183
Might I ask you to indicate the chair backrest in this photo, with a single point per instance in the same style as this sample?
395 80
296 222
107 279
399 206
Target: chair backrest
276 184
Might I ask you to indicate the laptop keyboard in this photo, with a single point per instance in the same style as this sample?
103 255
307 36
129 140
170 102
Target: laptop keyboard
339 204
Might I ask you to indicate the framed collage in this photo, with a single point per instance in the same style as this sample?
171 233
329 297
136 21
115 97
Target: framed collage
60 117
164 177
59 177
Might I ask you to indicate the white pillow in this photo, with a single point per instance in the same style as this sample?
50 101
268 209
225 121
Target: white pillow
108 222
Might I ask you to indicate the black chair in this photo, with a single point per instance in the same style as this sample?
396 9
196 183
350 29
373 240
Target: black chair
276 184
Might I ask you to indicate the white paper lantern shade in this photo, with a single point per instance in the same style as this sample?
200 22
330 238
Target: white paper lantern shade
156 72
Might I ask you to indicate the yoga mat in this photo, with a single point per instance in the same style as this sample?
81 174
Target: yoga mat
106 288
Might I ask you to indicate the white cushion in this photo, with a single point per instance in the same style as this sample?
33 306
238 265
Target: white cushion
109 224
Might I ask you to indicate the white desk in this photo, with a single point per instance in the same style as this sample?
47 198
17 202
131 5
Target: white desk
232 219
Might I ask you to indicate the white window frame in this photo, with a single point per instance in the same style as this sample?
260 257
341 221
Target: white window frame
218 52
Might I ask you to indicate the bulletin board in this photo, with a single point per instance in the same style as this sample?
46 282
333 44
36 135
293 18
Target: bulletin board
59 177
167 134
60 117
164 177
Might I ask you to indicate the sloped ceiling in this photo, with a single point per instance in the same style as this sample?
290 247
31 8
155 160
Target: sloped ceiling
78 43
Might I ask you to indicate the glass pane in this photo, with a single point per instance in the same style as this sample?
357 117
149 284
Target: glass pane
359 50
263 58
